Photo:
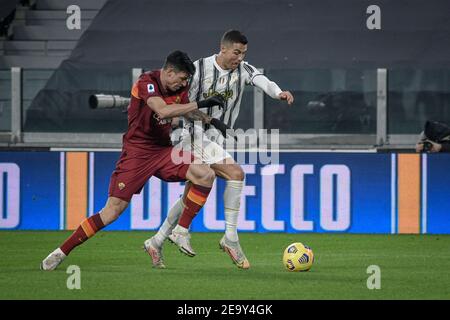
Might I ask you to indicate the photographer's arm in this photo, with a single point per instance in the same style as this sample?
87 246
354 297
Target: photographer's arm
435 147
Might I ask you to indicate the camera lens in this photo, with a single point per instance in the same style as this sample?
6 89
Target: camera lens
427 146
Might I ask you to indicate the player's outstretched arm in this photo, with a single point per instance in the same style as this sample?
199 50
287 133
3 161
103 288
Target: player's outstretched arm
159 106
197 115
272 89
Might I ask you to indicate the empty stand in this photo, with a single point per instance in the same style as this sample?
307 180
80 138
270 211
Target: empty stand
40 37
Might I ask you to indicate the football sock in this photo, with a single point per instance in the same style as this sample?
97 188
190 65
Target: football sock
171 221
87 229
195 199
232 203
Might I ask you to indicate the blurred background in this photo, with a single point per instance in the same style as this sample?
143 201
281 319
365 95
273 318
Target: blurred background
347 181
361 78
365 79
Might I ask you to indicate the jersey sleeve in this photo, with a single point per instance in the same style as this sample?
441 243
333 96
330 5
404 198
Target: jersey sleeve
249 72
144 89
269 87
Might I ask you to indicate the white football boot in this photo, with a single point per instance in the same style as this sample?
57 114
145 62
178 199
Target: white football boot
182 240
53 260
155 253
234 250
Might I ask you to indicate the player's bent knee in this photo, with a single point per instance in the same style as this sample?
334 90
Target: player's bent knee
206 176
108 216
234 172
210 175
201 174
237 173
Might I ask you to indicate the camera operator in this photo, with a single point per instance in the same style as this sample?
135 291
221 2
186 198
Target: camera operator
435 138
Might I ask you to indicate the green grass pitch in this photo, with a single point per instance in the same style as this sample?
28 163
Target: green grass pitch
114 266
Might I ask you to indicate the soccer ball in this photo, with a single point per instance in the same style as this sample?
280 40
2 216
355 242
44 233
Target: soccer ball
298 257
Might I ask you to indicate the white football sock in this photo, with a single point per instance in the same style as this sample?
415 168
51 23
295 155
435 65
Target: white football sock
169 224
232 203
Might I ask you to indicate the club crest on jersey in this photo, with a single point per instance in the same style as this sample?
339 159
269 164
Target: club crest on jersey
121 185
227 94
150 88
234 78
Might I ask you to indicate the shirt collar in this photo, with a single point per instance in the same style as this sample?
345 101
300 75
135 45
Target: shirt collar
219 67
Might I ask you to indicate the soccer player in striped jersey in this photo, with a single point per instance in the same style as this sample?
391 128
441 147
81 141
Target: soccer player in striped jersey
225 74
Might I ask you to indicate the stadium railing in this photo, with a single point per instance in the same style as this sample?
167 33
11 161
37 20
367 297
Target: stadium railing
334 109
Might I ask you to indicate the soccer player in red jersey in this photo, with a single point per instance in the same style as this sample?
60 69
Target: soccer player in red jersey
156 98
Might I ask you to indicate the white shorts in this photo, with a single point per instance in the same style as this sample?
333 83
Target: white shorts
202 147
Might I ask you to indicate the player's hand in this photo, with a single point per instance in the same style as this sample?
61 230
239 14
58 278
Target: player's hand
213 101
286 95
223 128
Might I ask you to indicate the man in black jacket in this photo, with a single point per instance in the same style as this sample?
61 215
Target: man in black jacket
435 138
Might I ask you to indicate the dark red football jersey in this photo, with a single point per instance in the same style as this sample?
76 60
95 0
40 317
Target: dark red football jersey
146 131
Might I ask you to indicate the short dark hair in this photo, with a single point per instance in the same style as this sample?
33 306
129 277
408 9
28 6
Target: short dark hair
234 36
180 61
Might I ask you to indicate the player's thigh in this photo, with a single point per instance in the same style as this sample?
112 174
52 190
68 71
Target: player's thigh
130 176
174 165
204 149
228 169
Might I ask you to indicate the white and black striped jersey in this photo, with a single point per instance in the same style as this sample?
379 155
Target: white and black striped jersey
210 79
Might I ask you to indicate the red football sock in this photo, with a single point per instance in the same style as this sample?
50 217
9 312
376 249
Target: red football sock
195 199
87 229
